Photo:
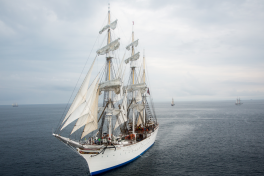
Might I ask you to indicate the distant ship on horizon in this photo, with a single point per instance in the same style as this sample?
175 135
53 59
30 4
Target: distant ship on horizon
15 105
172 102
238 102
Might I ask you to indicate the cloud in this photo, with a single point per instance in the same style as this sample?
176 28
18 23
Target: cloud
195 50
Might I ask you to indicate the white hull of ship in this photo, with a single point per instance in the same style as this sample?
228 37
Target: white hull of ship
113 158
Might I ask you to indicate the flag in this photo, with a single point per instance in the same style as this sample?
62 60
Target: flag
148 91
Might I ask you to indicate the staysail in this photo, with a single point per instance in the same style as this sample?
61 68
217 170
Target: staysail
92 124
86 115
81 95
77 113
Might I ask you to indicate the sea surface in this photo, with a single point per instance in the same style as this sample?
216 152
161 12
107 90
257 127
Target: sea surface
195 138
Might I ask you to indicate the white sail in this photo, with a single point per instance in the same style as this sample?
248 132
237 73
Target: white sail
86 114
119 96
135 44
139 122
81 95
133 58
109 47
137 107
92 124
112 26
77 113
143 74
142 87
122 117
138 97
111 111
111 85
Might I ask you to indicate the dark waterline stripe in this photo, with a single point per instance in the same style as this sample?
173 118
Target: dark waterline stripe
119 165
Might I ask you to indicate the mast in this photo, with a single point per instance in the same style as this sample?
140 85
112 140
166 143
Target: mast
144 74
132 65
109 59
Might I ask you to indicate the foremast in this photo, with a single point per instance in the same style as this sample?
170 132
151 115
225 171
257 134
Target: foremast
84 108
109 60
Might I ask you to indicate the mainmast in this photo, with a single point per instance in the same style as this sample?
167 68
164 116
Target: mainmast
133 87
132 65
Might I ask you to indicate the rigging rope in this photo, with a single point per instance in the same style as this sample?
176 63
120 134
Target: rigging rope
59 123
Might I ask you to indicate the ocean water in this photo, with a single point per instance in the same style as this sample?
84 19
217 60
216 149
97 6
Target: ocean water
195 138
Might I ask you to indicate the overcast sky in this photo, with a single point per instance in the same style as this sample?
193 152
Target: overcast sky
195 49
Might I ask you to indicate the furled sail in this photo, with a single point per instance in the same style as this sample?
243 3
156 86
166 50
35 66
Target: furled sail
111 111
86 115
111 85
122 116
142 87
77 113
81 95
135 44
137 107
112 26
109 47
133 58
92 123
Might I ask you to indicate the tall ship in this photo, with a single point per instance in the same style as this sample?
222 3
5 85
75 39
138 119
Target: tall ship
238 102
172 102
111 123
15 105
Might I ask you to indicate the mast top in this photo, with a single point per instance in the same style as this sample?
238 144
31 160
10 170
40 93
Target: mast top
108 7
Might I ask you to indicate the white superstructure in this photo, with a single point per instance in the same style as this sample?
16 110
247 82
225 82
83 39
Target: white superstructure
122 125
